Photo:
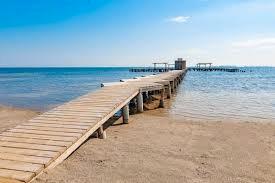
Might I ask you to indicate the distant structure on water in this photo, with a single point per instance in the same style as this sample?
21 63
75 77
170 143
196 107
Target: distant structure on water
179 64
207 66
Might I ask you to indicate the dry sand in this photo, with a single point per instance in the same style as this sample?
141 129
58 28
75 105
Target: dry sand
157 148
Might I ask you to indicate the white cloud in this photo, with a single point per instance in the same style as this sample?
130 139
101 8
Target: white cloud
179 19
256 43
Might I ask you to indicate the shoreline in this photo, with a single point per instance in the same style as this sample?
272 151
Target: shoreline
160 148
12 116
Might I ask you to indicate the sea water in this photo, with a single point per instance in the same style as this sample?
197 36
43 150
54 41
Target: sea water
242 96
219 96
45 88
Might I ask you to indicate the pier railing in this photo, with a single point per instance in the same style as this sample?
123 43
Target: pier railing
216 69
151 69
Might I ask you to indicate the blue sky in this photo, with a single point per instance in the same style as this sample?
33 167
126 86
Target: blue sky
136 32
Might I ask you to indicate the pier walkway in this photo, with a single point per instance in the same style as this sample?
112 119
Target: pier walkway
29 149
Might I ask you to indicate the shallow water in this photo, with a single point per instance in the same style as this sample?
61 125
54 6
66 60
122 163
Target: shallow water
217 96
44 88
248 96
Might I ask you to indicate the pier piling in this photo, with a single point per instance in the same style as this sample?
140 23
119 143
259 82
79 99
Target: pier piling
161 103
140 102
169 92
125 114
101 133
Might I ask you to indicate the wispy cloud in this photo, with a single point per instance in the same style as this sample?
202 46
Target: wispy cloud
255 43
179 19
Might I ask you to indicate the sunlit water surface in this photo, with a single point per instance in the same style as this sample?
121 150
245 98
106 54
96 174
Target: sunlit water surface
248 96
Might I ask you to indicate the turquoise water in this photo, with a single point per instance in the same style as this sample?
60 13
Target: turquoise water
44 88
219 96
248 96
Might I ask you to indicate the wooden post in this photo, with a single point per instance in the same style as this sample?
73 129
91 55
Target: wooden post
172 86
101 132
175 83
140 102
169 92
161 103
125 114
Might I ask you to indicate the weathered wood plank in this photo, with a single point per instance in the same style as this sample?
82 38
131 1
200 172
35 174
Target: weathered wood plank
103 109
70 126
20 166
35 141
39 132
60 121
71 117
56 119
61 129
31 152
33 146
36 136
25 158
16 175
90 115
8 180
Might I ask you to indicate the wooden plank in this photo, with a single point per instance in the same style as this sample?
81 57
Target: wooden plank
61 129
60 121
91 103
88 108
35 141
31 152
25 158
90 114
98 100
36 136
39 132
70 126
16 175
8 180
20 166
70 117
98 109
33 146
64 119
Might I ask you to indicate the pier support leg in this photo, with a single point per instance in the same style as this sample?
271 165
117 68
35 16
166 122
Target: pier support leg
125 114
101 133
161 103
169 92
140 102
173 86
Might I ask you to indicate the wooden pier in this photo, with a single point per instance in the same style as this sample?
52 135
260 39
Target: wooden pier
150 69
215 69
29 149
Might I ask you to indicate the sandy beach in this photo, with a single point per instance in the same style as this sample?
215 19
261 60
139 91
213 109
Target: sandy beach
156 147
10 117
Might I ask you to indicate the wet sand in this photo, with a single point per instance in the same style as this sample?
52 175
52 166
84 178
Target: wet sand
156 147
10 117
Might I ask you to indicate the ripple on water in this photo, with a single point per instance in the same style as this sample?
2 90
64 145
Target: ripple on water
248 96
